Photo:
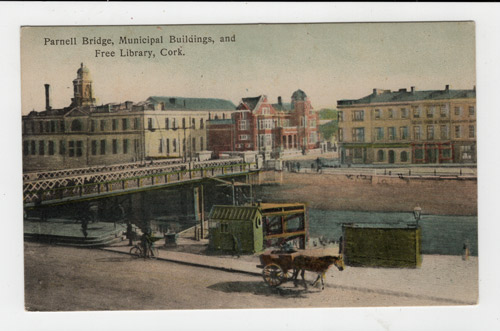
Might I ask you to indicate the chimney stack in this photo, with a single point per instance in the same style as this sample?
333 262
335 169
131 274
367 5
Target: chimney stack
413 89
47 97
447 88
279 101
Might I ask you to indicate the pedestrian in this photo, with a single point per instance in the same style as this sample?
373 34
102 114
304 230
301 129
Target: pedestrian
130 233
466 252
85 223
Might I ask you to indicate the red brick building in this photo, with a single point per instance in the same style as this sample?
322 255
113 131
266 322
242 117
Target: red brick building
257 125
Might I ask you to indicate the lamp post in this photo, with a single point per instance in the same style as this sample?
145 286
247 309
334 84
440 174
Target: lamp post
417 213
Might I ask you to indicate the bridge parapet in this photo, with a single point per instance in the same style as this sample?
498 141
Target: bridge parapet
76 187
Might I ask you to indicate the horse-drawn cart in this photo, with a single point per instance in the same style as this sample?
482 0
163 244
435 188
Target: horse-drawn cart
280 266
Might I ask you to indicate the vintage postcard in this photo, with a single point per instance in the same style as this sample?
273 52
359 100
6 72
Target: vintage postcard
175 167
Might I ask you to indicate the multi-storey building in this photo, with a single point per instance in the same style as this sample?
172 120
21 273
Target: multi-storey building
257 125
436 126
85 134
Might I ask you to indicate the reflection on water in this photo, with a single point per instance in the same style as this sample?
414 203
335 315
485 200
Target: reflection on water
440 234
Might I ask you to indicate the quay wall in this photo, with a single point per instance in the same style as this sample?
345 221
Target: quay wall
351 192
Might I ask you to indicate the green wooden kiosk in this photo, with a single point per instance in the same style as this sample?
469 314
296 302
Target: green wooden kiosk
382 245
236 229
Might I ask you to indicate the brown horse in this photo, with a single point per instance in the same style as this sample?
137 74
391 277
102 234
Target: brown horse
319 265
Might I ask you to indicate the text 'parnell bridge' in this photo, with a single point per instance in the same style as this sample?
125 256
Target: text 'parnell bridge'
52 187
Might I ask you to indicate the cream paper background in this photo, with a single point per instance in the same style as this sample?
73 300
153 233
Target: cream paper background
485 316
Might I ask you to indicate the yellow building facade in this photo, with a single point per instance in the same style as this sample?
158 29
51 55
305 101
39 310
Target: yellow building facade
85 134
409 127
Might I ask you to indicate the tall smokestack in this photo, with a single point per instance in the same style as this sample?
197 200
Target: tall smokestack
47 97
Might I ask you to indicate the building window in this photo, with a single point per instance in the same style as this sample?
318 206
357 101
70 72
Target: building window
224 228
201 144
33 147
444 111
458 131
404 113
183 123
243 125
358 115
380 155
41 147
404 156
71 148
125 146
472 111
136 123
93 147
358 134
193 124
202 124
378 114
444 131
115 146
92 125
52 126
430 132
114 124
223 116
417 135
174 123
62 126
193 143
244 137
416 112
430 112
341 135
184 145
62 147
103 147
26 146
125 123
466 152
79 148
265 110
472 131
160 146
33 126
167 123
150 123
51 147
390 113
174 145
40 126
76 125
358 153
458 111
47 126
168 145
340 116
391 133
313 123
403 132
380 133
103 125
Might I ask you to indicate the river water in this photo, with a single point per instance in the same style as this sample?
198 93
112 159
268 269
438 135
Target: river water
440 234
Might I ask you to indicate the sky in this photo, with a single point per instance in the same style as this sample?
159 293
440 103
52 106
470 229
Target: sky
328 61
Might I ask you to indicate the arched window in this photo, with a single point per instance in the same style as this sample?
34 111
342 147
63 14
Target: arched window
380 156
76 125
404 156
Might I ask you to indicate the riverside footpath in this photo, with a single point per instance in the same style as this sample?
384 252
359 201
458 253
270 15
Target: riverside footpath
442 279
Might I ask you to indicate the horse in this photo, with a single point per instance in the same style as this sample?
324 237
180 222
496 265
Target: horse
320 265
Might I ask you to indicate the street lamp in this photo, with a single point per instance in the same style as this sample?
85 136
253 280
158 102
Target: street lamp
417 213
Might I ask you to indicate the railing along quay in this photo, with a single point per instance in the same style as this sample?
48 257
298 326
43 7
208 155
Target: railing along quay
74 187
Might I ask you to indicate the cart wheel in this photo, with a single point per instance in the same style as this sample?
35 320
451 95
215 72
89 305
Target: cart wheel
288 274
273 274
135 252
